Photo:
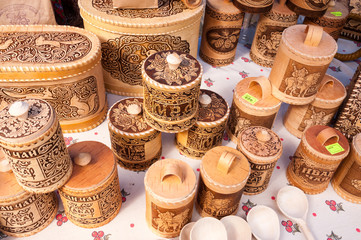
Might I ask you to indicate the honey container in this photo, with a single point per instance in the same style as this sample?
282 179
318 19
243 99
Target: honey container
170 188
135 144
263 148
92 196
309 8
59 64
301 63
316 159
32 140
172 82
347 180
129 36
209 128
319 112
223 174
253 105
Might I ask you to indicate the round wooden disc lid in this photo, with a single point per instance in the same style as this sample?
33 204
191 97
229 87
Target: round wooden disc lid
226 7
170 180
331 89
25 120
254 6
126 116
212 107
225 166
96 172
172 68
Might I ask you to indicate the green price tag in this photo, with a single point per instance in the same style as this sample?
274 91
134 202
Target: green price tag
335 148
249 98
337 14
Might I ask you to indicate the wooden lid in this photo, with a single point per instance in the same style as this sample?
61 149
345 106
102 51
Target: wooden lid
282 9
96 172
254 6
125 116
331 90
212 107
224 6
170 180
25 120
336 13
171 69
225 166
260 144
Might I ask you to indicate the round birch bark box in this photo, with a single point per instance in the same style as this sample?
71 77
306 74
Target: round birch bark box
309 8
253 105
319 112
170 188
172 82
135 144
32 140
92 196
316 159
301 63
254 6
209 128
223 174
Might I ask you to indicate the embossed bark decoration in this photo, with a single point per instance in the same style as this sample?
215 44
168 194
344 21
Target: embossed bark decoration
122 57
259 178
316 116
215 110
203 139
224 39
268 40
317 4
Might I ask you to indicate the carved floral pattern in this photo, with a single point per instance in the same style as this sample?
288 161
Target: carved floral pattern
215 110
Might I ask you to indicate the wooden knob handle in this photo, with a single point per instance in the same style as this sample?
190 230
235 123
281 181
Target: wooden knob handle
225 161
263 136
19 109
174 61
205 100
313 36
192 3
82 159
134 109
172 173
326 134
264 85
5 165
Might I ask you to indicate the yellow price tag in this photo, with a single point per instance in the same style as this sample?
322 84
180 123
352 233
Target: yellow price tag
337 14
335 148
249 98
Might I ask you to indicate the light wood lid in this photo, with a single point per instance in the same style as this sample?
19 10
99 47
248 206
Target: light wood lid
96 172
331 89
225 166
215 110
223 6
170 180
339 8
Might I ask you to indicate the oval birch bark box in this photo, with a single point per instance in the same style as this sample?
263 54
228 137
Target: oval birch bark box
170 188
316 159
59 64
319 112
209 128
129 36
135 144
309 8
92 196
301 63
223 174
253 105
32 140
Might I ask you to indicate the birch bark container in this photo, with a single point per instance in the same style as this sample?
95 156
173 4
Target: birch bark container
254 6
135 144
309 8
32 140
170 188
209 128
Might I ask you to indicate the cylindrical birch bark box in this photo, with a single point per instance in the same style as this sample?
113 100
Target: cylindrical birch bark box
223 174
253 105
309 8
221 29
301 63
209 128
263 148
316 159
172 82
170 188
135 144
319 112
347 180
32 140
92 196
269 32
254 6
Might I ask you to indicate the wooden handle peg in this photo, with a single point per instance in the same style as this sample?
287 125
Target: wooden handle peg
82 159
134 109
326 134
173 61
5 165
264 84
313 35
19 109
205 100
225 161
172 173
263 136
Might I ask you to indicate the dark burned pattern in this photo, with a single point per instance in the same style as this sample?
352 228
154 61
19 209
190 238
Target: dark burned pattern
123 57
268 39
216 110
28 215
138 166
70 101
223 17
43 47
166 8
259 178
352 181
215 62
317 4
280 17
223 39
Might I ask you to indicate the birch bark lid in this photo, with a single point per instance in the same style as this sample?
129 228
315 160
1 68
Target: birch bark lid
212 108
331 91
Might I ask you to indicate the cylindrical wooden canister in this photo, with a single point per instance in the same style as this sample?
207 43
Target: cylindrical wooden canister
224 173
31 137
309 8
253 105
254 6
347 179
319 112
301 63
209 128
135 144
170 188
316 159
221 29
22 213
129 36
269 32
172 81
263 148
92 196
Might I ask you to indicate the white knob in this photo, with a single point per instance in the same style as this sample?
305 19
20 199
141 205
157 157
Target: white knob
83 159
263 136
173 61
134 109
19 109
204 100
5 165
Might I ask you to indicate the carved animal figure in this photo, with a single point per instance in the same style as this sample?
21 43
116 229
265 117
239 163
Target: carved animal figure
169 222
